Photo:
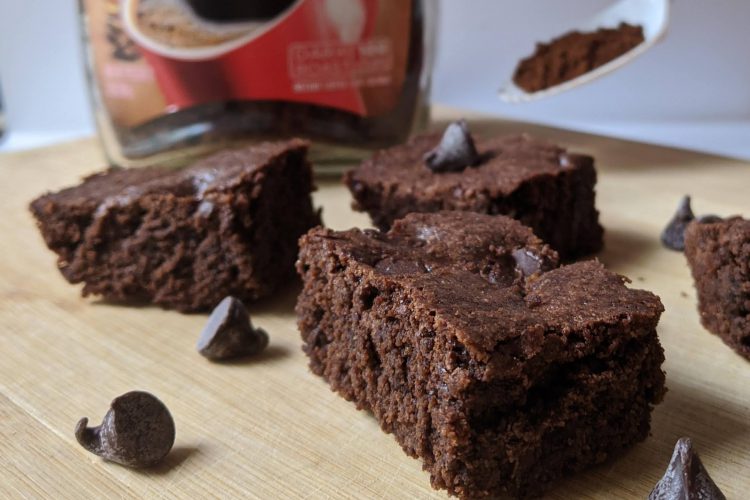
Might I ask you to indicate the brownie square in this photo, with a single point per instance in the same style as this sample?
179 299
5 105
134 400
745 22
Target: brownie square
719 257
185 239
533 181
501 371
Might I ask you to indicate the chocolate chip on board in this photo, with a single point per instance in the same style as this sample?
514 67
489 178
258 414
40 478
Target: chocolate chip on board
456 150
229 333
686 477
137 431
673 236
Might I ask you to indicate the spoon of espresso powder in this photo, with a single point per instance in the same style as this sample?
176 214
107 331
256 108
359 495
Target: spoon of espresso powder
606 42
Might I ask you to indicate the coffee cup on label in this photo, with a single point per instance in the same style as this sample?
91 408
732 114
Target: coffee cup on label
186 50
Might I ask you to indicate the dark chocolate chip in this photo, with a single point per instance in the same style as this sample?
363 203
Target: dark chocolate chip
527 263
137 431
673 236
230 334
709 219
456 150
686 477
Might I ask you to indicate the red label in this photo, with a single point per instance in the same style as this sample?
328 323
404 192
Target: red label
346 54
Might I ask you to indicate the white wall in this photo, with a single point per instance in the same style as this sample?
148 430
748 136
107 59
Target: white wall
692 90
41 72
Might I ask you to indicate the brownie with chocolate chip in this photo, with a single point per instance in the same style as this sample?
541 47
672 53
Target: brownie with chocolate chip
185 239
536 182
718 252
467 342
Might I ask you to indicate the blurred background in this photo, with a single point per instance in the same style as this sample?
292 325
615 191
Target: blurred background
691 91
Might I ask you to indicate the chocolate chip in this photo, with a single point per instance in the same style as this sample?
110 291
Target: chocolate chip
673 236
527 263
456 150
229 333
137 431
686 478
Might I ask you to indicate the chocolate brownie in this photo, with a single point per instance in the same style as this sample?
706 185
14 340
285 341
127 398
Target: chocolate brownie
536 182
185 239
718 253
500 375
574 54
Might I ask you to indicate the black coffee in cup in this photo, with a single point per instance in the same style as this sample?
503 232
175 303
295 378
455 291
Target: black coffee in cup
239 10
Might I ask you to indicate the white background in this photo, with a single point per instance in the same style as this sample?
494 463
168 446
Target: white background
692 90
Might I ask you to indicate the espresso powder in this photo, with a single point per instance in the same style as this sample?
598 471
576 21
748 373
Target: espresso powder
574 54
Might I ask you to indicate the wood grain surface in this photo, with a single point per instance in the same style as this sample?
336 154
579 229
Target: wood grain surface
267 428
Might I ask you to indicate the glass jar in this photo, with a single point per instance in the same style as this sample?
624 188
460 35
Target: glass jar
175 79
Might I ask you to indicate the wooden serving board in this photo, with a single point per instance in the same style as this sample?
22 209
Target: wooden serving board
267 428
